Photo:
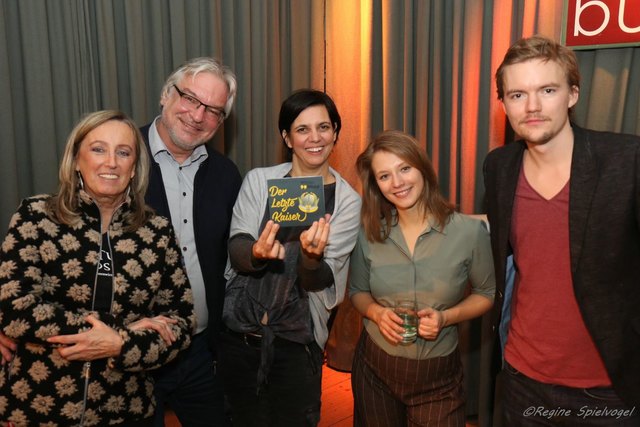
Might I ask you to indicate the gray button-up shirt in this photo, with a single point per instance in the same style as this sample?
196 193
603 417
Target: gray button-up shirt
443 263
178 182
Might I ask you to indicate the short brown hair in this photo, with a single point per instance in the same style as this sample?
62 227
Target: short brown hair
538 47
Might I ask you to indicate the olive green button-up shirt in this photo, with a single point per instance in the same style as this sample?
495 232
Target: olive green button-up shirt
444 263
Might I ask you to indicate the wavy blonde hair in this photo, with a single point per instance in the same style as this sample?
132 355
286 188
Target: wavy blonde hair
64 206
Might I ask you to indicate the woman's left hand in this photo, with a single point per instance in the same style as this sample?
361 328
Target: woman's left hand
314 240
431 322
99 342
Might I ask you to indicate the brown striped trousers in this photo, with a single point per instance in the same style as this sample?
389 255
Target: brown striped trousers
393 391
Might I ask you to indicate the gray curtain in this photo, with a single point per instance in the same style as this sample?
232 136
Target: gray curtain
423 66
62 59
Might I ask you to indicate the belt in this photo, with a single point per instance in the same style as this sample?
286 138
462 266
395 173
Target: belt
251 339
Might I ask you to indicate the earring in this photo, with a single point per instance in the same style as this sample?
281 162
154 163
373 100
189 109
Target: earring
80 181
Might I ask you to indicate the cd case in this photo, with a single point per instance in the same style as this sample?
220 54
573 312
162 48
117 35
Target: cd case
296 201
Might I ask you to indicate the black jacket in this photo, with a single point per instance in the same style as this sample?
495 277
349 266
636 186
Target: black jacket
604 242
216 187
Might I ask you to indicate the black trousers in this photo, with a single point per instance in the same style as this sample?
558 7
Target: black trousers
291 395
191 387
529 403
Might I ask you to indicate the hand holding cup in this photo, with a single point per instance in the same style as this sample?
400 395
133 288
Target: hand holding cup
431 323
406 310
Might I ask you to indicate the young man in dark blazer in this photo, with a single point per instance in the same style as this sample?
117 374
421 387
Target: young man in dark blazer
565 203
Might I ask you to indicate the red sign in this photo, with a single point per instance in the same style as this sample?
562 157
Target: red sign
601 23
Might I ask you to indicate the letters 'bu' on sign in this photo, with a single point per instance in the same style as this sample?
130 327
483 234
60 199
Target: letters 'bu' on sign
589 24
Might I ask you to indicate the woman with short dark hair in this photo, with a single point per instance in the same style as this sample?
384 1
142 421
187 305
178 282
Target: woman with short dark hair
284 281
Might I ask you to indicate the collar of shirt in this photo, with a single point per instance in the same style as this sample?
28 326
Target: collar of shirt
432 224
396 236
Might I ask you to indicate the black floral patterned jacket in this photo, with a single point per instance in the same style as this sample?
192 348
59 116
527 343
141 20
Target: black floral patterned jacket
48 272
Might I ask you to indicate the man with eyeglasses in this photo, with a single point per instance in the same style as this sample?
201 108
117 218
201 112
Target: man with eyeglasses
196 187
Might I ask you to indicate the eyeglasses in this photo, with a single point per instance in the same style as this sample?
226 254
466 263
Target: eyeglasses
192 103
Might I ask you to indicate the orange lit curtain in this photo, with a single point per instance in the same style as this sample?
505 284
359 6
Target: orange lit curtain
427 67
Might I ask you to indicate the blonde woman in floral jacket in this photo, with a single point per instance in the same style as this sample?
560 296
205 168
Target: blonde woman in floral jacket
92 289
